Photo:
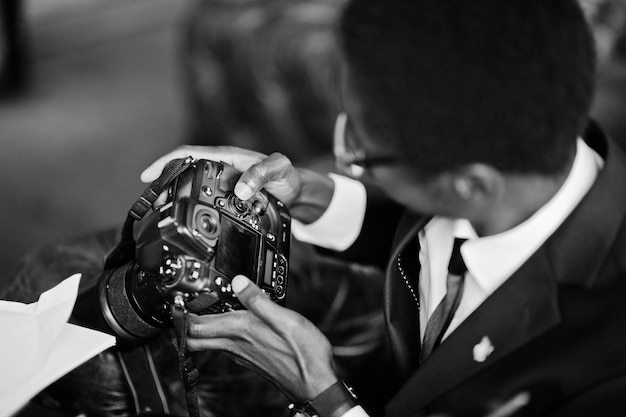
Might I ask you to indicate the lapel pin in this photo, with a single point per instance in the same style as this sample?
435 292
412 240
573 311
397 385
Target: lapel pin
483 349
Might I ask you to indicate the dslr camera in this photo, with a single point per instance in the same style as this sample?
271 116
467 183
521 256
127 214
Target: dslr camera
187 251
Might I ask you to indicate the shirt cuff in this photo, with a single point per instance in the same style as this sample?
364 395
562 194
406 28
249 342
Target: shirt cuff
341 223
356 411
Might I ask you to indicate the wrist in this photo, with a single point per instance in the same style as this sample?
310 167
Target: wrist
334 401
316 192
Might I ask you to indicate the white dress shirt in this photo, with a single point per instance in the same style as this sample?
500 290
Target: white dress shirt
490 260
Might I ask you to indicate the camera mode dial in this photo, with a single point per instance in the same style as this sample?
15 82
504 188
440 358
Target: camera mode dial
237 206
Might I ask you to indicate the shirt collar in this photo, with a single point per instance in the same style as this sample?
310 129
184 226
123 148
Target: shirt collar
492 259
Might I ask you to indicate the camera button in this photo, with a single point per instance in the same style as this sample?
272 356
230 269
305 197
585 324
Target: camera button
280 291
258 208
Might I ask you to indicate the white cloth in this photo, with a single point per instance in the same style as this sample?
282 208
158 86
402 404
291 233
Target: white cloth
39 346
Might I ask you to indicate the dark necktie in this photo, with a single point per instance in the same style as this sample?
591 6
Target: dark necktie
442 316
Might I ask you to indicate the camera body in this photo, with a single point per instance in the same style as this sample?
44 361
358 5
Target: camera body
188 251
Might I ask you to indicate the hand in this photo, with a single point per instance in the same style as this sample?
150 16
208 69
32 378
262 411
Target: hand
275 173
275 342
306 193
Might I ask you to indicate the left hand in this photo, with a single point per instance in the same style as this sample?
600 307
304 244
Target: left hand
273 341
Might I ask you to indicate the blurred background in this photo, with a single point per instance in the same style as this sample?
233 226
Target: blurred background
91 96
92 91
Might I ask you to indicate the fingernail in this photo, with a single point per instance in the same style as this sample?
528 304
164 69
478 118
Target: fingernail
239 283
243 191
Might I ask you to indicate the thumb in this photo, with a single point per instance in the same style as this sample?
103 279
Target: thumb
253 298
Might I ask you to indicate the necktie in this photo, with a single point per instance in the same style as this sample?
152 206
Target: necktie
442 316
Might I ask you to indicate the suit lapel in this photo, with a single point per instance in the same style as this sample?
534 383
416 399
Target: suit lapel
401 310
523 308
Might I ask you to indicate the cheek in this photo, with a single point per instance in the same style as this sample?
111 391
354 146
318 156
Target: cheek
414 197
434 198
415 201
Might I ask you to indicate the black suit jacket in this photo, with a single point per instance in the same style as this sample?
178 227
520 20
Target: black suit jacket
557 325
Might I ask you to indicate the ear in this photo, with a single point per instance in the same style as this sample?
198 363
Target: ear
478 184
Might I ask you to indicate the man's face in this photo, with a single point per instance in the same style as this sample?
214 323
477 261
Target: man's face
374 161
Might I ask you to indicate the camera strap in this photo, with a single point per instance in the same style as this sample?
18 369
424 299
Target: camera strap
142 380
187 369
124 251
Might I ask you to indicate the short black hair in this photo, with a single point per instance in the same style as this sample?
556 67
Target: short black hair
508 83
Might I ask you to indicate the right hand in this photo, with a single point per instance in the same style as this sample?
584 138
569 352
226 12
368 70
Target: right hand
305 192
275 342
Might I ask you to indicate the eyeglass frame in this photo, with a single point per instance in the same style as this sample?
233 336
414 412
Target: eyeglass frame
353 162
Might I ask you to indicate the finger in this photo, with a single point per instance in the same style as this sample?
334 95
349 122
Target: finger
198 345
512 406
239 158
255 300
274 173
212 326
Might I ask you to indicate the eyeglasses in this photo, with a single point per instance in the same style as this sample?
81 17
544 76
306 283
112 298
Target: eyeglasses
353 161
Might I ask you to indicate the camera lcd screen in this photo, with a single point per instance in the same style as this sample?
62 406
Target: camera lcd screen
236 250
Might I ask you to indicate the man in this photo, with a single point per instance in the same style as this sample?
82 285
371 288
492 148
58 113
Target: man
470 116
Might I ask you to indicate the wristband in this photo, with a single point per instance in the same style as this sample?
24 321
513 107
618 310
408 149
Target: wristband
334 401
